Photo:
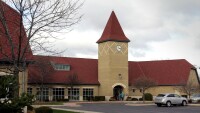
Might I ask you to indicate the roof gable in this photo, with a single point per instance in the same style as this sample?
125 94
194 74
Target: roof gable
113 31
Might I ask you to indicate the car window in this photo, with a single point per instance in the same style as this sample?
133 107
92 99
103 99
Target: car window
160 95
170 95
196 95
176 95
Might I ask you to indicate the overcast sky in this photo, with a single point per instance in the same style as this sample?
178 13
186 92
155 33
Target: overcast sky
158 29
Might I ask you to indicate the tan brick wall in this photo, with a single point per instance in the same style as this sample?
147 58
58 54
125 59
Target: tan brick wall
111 82
193 78
165 89
94 87
155 90
112 67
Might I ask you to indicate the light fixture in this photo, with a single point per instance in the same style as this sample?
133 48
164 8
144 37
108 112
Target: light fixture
120 76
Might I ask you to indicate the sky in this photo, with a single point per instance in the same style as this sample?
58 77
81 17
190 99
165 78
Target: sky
157 29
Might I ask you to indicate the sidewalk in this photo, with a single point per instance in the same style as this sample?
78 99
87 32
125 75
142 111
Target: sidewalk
73 110
78 104
140 103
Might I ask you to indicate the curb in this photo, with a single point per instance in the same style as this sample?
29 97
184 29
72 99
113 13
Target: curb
139 104
194 105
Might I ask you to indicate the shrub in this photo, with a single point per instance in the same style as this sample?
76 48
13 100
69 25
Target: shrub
128 99
148 96
189 101
15 105
99 98
59 99
46 100
65 100
43 110
7 109
140 99
134 99
112 99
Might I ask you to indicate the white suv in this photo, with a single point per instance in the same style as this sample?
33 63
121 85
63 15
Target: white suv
170 99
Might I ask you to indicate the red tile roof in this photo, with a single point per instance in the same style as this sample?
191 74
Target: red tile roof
164 72
86 70
12 19
113 31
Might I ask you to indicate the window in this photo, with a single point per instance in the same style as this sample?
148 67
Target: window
42 95
58 93
133 90
175 95
73 94
170 95
88 93
161 95
29 90
65 67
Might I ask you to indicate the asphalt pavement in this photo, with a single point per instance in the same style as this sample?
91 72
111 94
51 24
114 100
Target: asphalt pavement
127 108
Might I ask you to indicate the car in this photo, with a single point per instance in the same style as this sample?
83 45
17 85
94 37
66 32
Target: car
170 99
195 98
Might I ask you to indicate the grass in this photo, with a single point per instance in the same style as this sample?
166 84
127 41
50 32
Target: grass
61 111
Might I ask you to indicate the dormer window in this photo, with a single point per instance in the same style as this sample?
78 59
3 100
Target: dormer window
64 67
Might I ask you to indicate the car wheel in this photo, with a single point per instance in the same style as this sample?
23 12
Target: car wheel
168 103
184 103
159 105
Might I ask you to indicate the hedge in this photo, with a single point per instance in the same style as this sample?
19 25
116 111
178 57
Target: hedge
99 98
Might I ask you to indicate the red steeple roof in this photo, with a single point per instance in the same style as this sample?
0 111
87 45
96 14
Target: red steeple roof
113 31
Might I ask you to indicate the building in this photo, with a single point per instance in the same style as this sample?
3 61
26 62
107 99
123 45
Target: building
79 78
9 52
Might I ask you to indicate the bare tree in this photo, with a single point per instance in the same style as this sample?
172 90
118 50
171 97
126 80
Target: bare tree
25 23
72 80
40 73
189 88
143 83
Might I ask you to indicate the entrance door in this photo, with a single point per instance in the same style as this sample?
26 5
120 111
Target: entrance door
118 92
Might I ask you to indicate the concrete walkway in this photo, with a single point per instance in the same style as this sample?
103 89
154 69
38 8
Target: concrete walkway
129 103
80 111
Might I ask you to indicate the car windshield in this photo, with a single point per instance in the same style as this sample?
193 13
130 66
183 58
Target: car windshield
161 95
196 95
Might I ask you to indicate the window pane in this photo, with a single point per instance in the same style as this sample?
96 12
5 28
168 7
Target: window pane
87 93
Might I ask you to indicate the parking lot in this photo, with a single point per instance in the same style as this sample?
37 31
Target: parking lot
123 108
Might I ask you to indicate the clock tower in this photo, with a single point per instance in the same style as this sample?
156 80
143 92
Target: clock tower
113 60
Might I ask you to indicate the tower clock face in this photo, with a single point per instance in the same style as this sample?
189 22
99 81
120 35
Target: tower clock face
119 48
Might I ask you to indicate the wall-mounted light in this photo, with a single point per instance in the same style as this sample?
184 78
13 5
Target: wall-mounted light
120 76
